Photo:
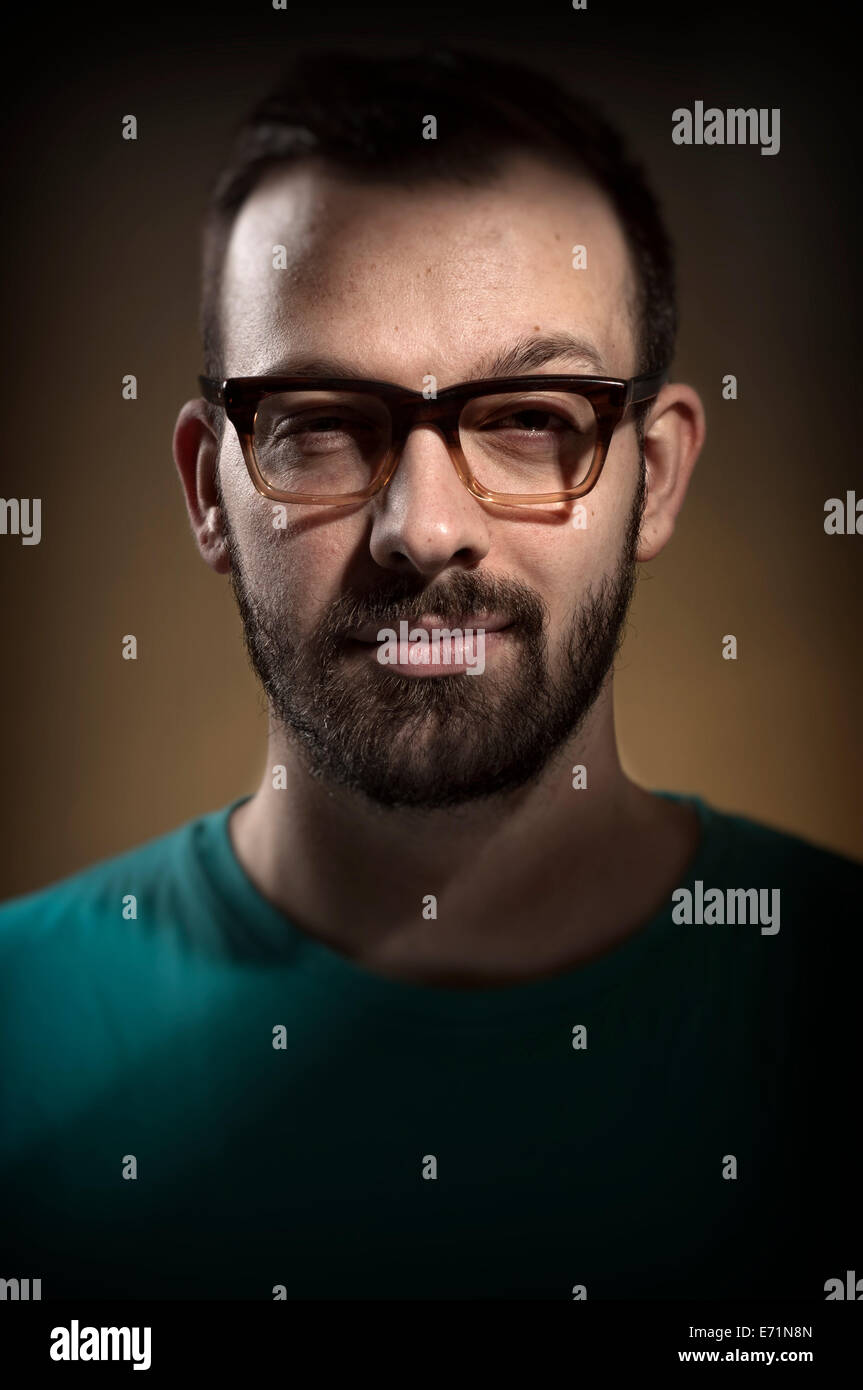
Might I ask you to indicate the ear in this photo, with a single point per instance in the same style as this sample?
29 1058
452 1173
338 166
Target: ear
196 454
673 437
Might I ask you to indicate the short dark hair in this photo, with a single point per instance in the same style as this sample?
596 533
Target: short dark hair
362 114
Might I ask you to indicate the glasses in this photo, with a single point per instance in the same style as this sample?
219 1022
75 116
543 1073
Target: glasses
517 441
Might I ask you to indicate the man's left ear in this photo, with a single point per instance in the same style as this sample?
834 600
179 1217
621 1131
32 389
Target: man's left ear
673 437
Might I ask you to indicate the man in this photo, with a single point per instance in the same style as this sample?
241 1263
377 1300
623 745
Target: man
450 1007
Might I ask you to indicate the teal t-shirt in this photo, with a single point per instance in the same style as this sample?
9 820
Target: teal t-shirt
674 1119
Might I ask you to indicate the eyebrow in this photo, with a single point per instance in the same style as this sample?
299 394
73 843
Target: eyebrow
522 356
527 353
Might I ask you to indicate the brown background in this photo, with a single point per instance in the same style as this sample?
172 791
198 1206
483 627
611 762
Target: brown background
101 259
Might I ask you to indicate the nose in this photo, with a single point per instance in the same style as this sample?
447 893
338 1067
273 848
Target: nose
426 519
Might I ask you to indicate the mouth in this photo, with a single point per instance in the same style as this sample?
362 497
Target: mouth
466 652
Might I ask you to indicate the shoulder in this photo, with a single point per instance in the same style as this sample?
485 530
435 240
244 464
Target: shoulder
780 858
108 891
809 895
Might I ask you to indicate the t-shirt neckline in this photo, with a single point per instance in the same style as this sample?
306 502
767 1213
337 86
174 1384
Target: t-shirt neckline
277 942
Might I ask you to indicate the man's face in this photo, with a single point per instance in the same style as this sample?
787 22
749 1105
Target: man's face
402 284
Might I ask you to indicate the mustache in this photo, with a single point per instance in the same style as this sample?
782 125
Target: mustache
458 597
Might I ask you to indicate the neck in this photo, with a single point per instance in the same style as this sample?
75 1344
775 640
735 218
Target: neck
521 882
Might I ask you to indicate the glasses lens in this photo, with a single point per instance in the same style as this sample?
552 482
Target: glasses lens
529 441
323 442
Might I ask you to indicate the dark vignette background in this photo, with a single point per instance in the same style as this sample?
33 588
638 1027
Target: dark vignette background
101 270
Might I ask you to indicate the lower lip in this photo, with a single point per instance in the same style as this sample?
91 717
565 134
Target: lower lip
439 667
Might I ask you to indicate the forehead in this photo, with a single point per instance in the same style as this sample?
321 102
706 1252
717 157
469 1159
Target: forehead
404 281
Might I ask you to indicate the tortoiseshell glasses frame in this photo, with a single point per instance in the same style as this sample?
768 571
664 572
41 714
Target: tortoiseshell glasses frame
610 398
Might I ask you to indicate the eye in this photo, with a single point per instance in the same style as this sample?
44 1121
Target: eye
535 421
318 426
315 424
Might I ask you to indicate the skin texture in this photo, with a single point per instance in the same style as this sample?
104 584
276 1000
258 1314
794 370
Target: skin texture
534 877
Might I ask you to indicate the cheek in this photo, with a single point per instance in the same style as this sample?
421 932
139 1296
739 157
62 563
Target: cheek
560 563
303 563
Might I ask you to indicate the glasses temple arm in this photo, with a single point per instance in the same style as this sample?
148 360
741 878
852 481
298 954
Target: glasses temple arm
211 390
644 388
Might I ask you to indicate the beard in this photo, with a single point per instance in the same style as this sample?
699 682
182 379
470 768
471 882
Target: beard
446 740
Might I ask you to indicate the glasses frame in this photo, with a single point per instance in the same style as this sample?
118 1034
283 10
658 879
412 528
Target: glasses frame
610 398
